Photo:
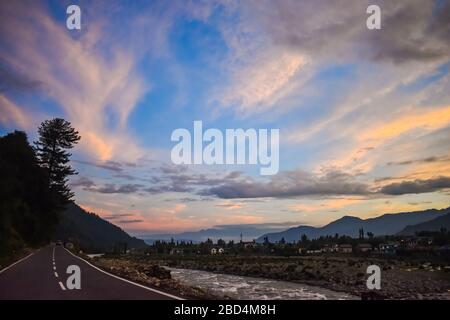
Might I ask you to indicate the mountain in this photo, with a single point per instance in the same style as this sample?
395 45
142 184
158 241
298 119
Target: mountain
432 225
386 224
92 232
224 232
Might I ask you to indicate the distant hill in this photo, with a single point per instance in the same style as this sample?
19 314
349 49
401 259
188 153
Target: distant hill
432 225
224 232
386 224
92 232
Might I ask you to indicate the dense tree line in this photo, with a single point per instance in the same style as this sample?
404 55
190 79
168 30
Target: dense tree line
33 184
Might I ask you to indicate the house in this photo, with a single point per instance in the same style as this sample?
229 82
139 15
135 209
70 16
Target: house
314 251
217 251
345 248
388 248
364 247
176 251
328 248
249 244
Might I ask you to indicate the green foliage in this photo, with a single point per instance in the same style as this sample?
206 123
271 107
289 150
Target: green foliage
27 207
56 136
91 233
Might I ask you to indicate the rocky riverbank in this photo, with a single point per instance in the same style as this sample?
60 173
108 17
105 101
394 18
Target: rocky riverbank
399 279
150 275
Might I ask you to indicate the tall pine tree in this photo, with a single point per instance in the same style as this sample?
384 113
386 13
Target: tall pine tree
56 136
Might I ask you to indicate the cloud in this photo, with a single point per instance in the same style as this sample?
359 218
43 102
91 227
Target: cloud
84 182
291 184
107 165
117 216
260 83
12 113
423 160
14 81
114 188
85 82
326 205
416 186
426 120
131 221
415 30
229 205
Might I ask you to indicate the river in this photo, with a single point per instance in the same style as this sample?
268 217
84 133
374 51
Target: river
240 287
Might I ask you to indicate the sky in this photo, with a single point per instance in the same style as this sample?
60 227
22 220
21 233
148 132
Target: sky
364 115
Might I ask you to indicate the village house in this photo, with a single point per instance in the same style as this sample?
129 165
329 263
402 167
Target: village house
248 244
329 248
317 251
217 251
364 247
345 248
176 251
388 248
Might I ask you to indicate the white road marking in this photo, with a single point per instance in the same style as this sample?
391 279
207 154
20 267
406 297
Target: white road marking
128 281
56 274
4 269
61 285
54 268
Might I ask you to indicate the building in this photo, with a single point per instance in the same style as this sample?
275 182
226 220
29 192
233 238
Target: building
249 244
345 248
364 247
176 251
388 248
217 251
314 251
329 248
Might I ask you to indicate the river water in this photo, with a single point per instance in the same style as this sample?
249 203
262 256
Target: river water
240 287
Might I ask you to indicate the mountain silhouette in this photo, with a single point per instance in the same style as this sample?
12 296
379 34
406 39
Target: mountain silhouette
386 224
91 232
432 225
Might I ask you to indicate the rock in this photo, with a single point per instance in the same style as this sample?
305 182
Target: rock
157 272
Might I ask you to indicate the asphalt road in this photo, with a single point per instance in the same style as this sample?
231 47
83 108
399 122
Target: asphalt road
42 275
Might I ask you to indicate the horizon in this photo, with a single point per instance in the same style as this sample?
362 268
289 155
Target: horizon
278 227
363 115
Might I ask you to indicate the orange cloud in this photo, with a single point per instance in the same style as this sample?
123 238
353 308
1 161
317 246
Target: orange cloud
325 205
427 121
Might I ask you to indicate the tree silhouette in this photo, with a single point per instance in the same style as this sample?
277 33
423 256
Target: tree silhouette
56 136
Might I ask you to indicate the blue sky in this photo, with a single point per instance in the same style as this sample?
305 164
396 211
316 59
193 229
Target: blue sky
364 115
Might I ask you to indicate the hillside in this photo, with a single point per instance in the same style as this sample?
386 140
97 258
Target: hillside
386 224
432 225
92 232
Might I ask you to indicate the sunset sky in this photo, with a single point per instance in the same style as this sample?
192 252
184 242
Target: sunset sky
364 115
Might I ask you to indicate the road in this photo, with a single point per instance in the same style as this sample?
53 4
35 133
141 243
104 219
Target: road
42 275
